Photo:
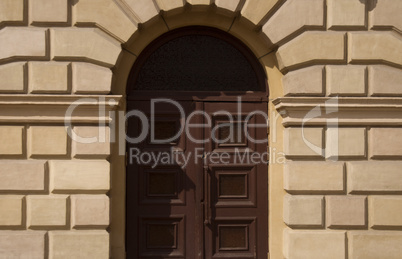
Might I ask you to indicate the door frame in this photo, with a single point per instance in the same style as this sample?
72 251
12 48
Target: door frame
259 96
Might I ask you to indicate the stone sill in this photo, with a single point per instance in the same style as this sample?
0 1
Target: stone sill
53 108
342 111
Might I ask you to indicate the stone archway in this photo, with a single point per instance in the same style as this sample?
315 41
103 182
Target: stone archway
203 70
202 16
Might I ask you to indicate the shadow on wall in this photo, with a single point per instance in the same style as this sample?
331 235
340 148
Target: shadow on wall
371 4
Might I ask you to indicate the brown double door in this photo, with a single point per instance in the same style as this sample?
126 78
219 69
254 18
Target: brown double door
203 193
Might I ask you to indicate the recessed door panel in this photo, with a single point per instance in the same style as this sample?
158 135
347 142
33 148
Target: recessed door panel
233 185
162 237
235 238
162 185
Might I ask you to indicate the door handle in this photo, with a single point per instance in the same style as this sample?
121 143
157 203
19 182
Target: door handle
205 160
207 204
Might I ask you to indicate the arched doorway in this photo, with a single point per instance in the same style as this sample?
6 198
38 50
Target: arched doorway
197 176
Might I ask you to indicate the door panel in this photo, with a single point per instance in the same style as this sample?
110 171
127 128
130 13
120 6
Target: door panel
207 208
162 237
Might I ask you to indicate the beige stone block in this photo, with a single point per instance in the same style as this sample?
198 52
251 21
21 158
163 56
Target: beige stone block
199 2
385 142
22 244
377 46
79 244
375 245
346 80
168 5
49 11
141 39
11 210
258 43
11 11
85 175
306 81
121 75
91 141
230 5
47 211
24 176
48 77
48 140
106 15
12 78
345 142
22 42
306 142
346 13
89 78
256 10
303 211
195 17
144 9
386 13
11 138
304 13
346 211
384 81
379 176
90 210
86 44
303 244
311 47
317 177
385 211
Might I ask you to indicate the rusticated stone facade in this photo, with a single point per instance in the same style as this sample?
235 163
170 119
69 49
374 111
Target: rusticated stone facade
63 199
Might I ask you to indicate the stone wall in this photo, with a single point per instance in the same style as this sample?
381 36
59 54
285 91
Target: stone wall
342 56
350 207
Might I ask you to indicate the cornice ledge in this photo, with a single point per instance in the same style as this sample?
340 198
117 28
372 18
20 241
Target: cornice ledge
347 111
57 108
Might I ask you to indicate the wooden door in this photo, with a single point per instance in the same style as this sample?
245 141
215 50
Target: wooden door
198 208
236 190
161 206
